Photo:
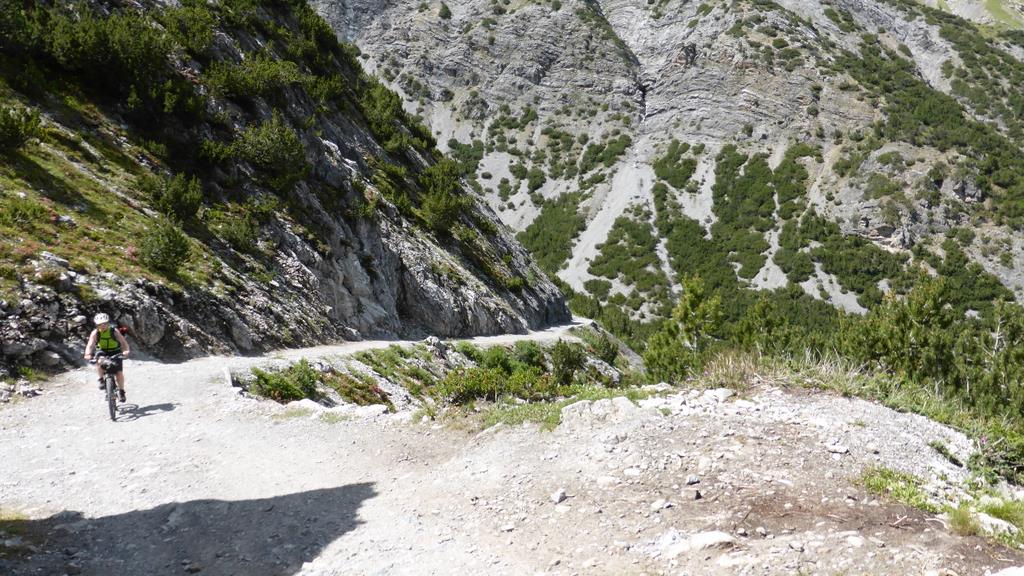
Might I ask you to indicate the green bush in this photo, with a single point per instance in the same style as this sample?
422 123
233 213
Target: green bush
177 197
441 205
296 382
566 359
191 26
22 213
673 168
461 386
519 374
164 247
383 111
529 353
630 254
241 231
276 150
606 350
497 357
359 389
469 350
257 75
122 55
18 126
549 237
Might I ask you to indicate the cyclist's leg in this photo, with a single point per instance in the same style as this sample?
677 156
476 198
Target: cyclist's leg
120 379
99 374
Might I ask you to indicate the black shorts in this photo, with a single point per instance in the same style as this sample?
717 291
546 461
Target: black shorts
118 366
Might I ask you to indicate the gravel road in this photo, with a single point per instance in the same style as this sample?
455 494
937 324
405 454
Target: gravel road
197 479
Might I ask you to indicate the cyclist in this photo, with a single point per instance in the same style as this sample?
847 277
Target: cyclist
108 341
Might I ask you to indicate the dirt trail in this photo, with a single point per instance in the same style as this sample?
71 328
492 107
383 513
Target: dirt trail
198 479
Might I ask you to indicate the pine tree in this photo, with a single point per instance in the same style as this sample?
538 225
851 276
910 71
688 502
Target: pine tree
674 351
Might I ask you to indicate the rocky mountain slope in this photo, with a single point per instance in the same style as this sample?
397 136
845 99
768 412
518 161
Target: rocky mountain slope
224 177
762 145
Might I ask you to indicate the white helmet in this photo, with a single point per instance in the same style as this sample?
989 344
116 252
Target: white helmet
101 318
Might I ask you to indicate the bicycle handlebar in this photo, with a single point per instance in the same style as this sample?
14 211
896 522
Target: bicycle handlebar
96 357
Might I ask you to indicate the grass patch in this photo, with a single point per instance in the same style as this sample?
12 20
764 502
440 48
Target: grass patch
358 388
549 414
292 414
394 363
900 486
731 369
334 418
30 374
296 382
1011 511
962 521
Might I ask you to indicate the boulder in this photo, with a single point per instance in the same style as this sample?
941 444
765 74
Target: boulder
22 346
993 525
47 358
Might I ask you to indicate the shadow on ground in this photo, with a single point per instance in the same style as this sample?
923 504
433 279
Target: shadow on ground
264 537
129 412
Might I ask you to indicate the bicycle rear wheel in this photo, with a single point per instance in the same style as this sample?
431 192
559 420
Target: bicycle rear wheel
112 397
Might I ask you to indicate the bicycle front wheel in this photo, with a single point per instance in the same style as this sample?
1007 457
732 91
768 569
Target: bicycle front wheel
112 397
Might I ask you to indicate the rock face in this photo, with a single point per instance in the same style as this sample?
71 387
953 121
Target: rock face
322 267
528 80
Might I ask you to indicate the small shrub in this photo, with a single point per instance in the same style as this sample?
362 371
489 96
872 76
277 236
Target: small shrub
900 486
359 389
471 384
606 350
191 26
673 168
441 205
17 128
497 357
275 149
532 384
469 350
241 232
164 247
529 353
296 382
962 521
21 212
566 359
257 75
177 197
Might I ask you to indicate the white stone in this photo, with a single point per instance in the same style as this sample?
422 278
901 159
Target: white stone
718 394
558 496
993 525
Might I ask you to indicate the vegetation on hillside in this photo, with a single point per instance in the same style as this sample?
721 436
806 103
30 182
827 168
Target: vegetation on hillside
147 110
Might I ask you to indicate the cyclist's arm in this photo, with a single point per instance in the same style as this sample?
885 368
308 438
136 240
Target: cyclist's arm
125 349
91 345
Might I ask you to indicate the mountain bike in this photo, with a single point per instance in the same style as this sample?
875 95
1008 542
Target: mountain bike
109 380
